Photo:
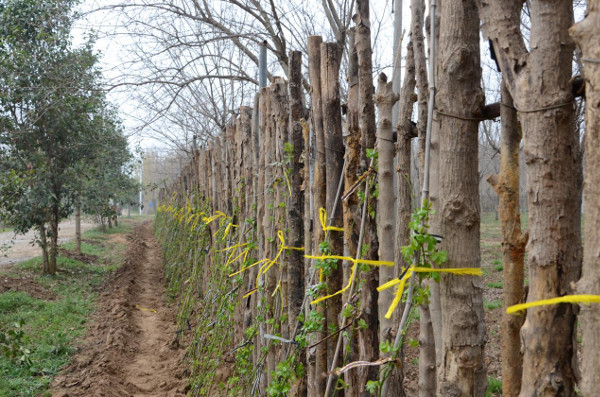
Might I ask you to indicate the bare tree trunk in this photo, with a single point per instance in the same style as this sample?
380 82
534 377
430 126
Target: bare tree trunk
539 82
270 278
280 115
350 207
404 192
255 301
463 370
427 347
53 239
506 185
427 366
334 157
317 354
385 100
435 307
368 337
44 247
78 228
587 34
295 207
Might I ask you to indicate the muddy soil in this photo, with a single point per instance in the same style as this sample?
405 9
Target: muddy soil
129 350
14 249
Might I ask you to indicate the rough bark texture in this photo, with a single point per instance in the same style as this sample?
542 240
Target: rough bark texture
295 207
459 93
506 185
368 337
350 206
587 35
334 155
280 114
539 82
317 356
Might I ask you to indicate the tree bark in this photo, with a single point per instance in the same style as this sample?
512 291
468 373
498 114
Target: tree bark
404 192
334 157
350 206
506 185
53 239
280 115
435 308
44 247
427 353
459 93
78 228
587 35
269 219
317 356
539 82
368 337
295 207
385 100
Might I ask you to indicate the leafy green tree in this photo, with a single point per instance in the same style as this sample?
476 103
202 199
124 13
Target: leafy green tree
51 118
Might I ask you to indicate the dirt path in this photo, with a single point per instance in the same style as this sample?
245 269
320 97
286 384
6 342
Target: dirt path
20 248
128 350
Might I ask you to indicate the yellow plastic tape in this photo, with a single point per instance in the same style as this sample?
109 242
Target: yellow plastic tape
268 262
350 259
229 226
472 271
350 281
230 261
323 219
554 301
232 247
354 263
149 310
212 218
287 180
248 267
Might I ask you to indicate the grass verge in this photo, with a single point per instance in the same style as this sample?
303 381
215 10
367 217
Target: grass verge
38 335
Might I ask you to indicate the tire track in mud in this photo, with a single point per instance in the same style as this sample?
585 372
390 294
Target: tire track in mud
128 349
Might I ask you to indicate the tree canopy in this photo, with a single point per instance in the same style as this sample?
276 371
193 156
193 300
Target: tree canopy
55 126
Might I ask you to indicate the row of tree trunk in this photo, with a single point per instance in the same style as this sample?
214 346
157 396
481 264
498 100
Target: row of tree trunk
275 167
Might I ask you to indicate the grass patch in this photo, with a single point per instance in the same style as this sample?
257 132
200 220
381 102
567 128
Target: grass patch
124 227
494 387
50 328
497 285
491 305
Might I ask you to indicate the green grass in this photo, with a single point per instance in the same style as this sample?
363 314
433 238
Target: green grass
494 387
51 327
491 305
96 233
497 285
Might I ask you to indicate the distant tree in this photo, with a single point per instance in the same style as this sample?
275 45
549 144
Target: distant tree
107 183
49 108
